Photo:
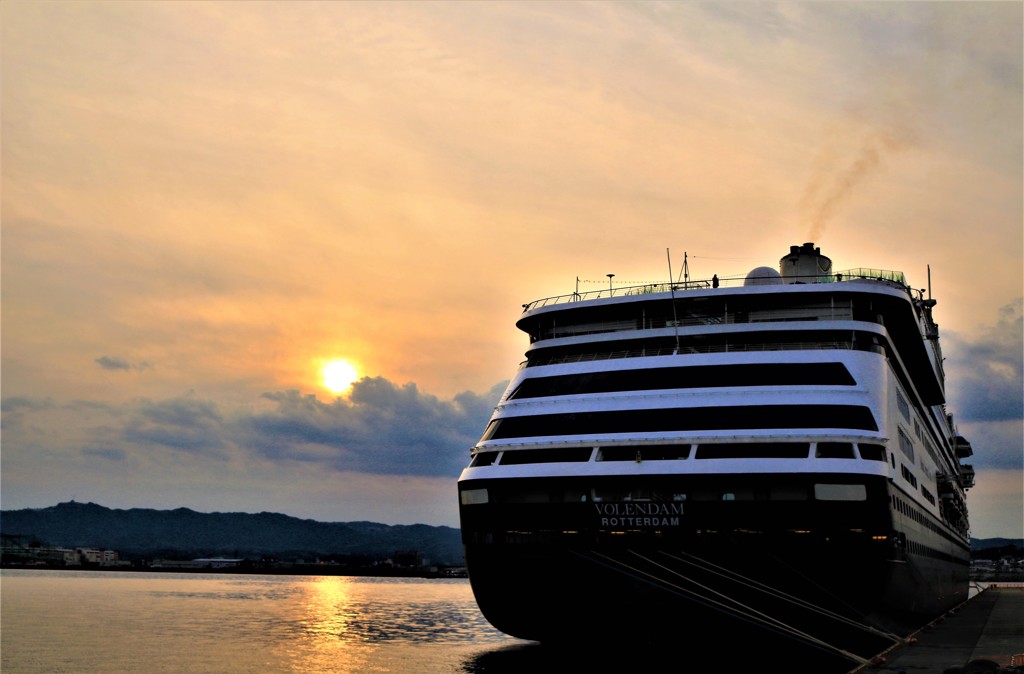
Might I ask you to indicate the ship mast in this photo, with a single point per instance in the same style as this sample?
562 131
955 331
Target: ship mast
672 289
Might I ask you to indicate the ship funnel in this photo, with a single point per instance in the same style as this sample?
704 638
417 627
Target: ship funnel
805 264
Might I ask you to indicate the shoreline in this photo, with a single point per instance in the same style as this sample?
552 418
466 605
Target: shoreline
290 570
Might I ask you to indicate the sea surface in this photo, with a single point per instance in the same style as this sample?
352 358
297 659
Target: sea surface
107 622
111 622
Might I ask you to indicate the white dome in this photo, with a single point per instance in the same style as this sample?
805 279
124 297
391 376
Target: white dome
763 276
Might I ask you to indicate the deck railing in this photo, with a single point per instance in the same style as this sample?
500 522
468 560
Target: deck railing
860 273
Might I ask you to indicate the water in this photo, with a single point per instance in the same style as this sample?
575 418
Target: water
82 622
110 622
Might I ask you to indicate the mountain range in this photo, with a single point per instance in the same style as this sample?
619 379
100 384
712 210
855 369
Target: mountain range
185 534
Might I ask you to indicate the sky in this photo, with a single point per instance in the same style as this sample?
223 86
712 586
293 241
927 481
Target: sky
205 203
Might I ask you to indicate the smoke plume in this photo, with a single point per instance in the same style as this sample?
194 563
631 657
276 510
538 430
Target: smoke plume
839 172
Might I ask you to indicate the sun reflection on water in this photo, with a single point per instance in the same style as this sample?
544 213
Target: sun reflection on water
328 612
328 642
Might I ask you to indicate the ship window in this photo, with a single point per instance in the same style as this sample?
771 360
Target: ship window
753 450
527 496
901 403
704 376
492 427
523 456
483 459
908 476
787 494
473 496
683 419
840 492
834 450
906 446
871 452
644 453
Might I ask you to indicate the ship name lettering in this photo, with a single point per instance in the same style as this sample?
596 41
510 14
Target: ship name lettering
639 514
635 509
639 521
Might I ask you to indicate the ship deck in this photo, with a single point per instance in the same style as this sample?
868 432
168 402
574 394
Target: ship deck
987 627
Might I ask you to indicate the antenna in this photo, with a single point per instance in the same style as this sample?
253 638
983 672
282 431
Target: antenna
672 288
684 273
929 281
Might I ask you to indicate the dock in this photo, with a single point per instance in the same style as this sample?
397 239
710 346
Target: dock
984 634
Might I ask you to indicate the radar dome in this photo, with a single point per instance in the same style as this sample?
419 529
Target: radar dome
763 276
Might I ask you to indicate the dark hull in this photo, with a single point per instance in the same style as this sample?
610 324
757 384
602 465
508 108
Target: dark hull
781 576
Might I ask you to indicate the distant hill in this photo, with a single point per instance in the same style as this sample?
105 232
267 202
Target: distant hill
185 534
986 543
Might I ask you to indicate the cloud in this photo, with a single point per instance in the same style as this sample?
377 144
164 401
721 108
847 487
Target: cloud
382 428
112 363
16 408
985 378
108 453
184 424
14 404
987 373
998 445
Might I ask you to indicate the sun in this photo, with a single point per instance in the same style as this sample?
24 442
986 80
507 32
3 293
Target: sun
338 375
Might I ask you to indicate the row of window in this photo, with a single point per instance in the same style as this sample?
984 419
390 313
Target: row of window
726 418
905 444
676 493
803 340
640 453
703 376
926 520
916 548
908 475
696 312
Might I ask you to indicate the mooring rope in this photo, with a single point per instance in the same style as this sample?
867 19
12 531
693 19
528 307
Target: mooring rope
768 618
747 612
735 577
885 633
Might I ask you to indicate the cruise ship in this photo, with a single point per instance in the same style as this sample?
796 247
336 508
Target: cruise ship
768 457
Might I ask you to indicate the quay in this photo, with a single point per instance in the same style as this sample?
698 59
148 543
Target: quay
984 634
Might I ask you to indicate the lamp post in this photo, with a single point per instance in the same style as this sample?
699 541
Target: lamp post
609 284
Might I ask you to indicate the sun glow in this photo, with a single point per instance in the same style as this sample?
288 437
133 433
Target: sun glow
338 375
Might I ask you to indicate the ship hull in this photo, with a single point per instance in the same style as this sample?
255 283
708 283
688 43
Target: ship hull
780 575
